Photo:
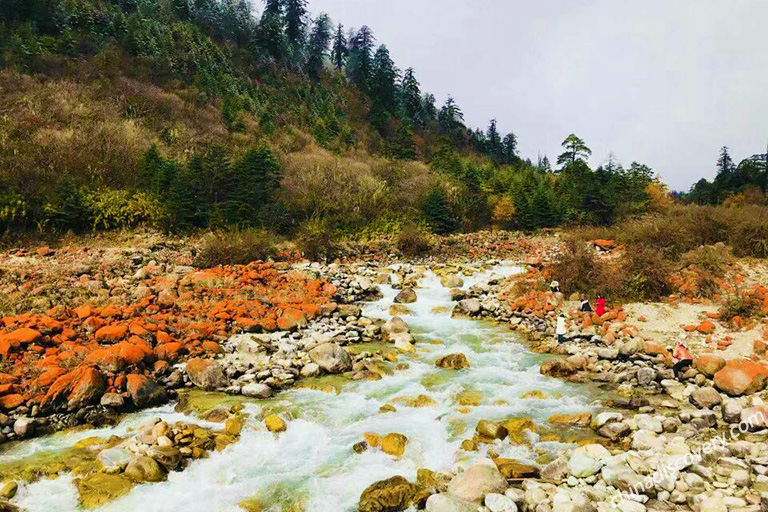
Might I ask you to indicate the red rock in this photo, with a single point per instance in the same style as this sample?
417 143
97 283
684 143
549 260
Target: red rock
77 388
105 360
83 312
709 364
212 347
9 402
169 351
144 391
22 336
44 251
605 244
111 333
6 389
49 376
741 376
706 327
130 353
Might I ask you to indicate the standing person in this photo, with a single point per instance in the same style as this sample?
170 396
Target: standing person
600 305
561 329
681 356
554 286
585 307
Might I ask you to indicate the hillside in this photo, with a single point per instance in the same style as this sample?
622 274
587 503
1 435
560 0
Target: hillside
203 114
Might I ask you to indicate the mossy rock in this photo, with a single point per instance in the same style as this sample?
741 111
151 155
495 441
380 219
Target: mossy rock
97 489
252 504
200 403
470 398
326 383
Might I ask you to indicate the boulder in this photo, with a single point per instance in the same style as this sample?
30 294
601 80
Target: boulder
144 391
467 308
582 419
477 481
395 325
705 398
406 296
456 361
394 444
587 460
78 388
114 460
741 377
491 429
258 390
143 468
24 427
98 489
447 503
275 423
709 364
206 374
557 368
451 281
731 409
392 495
167 456
331 358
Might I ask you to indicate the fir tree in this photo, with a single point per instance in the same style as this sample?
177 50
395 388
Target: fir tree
360 62
384 82
318 45
340 51
438 212
410 92
575 149
295 21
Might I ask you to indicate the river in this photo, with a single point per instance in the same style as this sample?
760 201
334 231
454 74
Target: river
311 467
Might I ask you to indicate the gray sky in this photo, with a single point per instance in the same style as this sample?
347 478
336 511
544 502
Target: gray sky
663 82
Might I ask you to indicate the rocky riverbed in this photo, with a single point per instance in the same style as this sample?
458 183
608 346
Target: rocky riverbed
371 387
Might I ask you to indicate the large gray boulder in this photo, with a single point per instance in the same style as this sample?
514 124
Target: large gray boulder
477 481
331 358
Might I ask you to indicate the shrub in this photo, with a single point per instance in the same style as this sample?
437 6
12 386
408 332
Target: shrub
412 241
739 304
235 247
316 239
749 231
578 269
713 259
114 209
645 273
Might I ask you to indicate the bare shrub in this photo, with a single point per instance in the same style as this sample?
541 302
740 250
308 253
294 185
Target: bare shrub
413 241
316 239
235 247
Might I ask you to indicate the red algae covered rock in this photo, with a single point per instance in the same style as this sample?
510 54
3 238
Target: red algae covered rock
741 377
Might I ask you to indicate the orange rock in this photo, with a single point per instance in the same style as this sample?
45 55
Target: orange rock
111 333
290 319
49 376
212 347
144 391
22 336
6 389
706 327
83 312
708 364
169 351
163 337
760 347
9 402
741 376
130 353
105 360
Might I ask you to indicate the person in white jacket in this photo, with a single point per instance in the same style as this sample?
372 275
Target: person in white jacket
561 329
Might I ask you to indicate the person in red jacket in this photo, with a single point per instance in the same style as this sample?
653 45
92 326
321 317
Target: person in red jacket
682 357
600 305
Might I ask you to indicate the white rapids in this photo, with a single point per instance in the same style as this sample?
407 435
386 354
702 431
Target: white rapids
311 467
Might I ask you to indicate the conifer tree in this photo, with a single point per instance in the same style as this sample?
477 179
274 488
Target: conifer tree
429 108
438 212
383 84
509 154
494 146
360 62
295 21
450 117
575 150
340 51
318 45
410 92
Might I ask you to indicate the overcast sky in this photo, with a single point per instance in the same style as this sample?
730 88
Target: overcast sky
663 82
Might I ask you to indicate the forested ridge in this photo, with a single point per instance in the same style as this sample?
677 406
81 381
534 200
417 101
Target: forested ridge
188 114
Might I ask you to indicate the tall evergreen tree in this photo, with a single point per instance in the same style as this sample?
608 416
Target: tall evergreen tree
273 8
360 62
494 146
318 45
270 35
575 149
410 93
295 21
450 117
383 85
429 108
340 51
509 153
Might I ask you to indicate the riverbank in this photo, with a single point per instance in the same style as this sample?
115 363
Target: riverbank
436 350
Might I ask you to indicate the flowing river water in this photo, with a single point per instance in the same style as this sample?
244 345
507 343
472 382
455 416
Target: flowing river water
311 467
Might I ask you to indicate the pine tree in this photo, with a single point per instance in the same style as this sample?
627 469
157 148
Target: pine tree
384 82
494 146
318 45
295 21
575 148
410 93
438 212
429 108
509 152
360 62
273 8
340 51
270 35
450 117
